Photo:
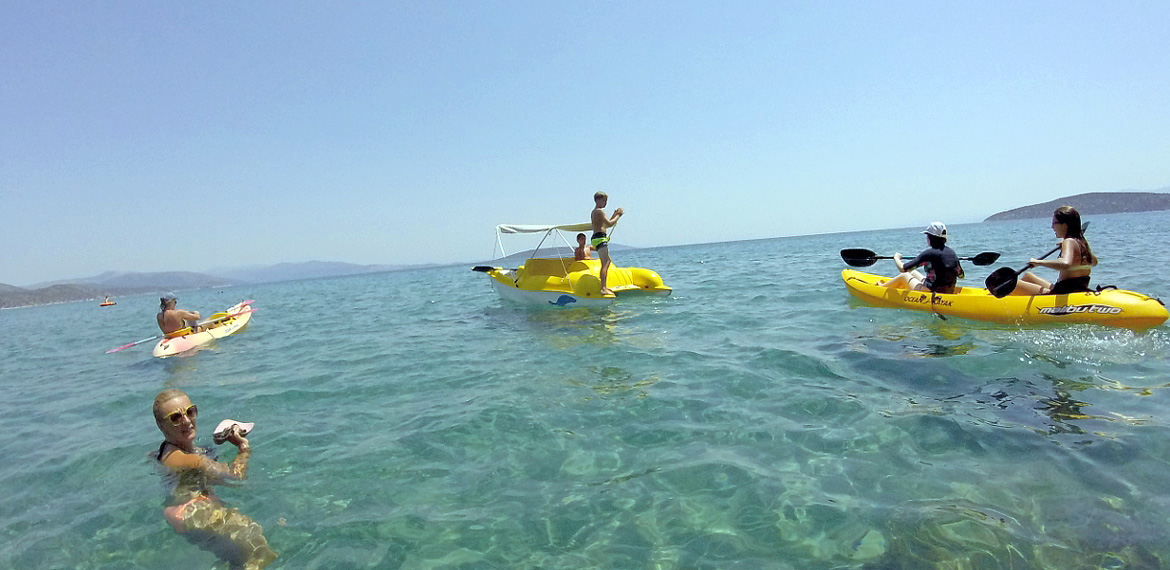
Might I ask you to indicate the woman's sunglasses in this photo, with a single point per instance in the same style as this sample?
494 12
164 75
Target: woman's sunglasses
177 416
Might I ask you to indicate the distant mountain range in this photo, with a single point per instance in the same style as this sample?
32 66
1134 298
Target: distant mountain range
166 280
9 289
11 296
306 270
116 284
1092 203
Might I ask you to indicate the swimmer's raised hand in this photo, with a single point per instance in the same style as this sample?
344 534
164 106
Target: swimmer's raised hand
236 438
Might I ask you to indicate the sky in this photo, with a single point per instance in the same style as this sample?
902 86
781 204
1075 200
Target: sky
184 136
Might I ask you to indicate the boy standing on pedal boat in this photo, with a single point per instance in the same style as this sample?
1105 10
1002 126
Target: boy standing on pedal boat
600 240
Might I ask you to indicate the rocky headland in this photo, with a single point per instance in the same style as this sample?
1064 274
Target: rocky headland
1092 203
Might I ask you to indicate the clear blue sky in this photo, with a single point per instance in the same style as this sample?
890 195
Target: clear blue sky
156 136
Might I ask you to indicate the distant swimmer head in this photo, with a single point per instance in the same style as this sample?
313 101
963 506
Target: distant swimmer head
166 300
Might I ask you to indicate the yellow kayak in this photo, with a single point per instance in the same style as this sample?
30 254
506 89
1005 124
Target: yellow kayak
1111 307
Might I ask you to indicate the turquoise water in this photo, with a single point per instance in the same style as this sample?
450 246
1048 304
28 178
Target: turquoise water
758 418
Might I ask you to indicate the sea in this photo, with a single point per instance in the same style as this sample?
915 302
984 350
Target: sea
757 418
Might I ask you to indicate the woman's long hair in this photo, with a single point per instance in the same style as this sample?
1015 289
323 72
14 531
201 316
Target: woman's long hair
1071 218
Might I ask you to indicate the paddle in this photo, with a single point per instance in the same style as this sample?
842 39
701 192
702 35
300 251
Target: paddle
858 257
1003 281
208 322
135 343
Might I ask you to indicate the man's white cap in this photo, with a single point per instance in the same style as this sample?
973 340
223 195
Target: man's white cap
936 229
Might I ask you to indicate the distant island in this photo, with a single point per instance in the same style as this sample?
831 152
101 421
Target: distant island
1092 203
117 284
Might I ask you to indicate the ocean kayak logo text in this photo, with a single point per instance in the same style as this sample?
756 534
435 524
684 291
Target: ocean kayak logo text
1077 309
926 300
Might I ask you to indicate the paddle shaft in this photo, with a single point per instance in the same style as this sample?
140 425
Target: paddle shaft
1084 227
865 258
1050 252
135 343
223 318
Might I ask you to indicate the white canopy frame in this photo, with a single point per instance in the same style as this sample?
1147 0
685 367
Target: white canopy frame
534 229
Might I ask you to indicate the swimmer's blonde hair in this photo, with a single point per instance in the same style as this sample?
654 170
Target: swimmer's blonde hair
166 396
599 194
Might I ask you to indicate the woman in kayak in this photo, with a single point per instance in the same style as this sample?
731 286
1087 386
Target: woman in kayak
172 320
942 262
1075 263
194 510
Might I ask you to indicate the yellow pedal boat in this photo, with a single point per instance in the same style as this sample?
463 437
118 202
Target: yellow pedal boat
563 281
1110 307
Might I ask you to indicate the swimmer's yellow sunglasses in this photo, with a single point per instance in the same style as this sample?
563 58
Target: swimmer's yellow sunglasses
191 412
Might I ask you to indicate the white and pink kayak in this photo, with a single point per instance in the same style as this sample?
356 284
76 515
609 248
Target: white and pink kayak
220 325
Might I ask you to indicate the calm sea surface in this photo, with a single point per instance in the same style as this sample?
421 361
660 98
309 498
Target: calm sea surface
759 418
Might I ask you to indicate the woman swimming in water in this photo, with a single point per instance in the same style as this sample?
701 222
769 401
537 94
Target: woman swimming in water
194 510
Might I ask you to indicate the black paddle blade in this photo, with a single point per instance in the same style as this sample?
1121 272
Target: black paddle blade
985 258
482 268
1002 281
859 257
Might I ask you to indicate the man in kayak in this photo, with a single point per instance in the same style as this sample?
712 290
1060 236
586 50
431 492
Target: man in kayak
171 319
942 261
600 241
